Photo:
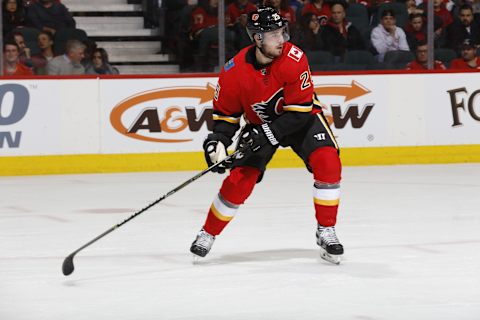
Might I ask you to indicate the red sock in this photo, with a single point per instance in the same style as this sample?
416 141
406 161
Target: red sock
236 188
326 168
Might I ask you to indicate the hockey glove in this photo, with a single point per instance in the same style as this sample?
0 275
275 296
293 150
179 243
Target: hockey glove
215 151
259 136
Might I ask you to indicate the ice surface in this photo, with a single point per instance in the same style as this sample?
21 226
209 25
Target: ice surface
411 236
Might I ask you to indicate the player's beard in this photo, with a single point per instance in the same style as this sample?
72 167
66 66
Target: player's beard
272 52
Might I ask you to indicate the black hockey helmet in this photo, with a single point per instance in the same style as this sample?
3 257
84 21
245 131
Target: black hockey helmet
264 19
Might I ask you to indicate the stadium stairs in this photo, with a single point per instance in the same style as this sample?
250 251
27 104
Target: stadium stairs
119 27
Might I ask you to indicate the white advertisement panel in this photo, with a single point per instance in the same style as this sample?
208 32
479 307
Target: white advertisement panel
411 110
168 115
452 108
357 108
45 117
155 115
108 116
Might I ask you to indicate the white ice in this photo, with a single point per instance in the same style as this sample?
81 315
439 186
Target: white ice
411 237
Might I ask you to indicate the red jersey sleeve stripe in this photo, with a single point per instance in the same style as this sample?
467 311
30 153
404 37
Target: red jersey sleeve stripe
217 117
297 108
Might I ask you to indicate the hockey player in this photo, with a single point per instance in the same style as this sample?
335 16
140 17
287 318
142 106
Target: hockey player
269 84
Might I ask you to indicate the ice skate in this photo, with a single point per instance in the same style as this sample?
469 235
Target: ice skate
202 244
331 249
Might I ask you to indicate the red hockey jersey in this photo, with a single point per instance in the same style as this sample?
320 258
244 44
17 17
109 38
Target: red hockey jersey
262 94
415 65
463 65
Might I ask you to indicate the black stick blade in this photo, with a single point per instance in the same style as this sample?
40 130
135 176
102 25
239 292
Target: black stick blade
67 266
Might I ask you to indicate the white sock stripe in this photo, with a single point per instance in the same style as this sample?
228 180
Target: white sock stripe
323 185
326 194
227 203
223 208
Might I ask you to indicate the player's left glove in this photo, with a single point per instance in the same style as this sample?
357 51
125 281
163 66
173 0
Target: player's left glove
215 149
259 136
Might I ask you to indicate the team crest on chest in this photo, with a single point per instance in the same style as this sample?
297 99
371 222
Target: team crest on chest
269 110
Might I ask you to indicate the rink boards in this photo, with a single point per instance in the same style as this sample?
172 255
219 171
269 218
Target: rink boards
79 125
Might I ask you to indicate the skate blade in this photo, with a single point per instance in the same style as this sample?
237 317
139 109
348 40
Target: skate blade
335 259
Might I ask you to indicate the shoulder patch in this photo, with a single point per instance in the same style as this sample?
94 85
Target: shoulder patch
229 65
295 53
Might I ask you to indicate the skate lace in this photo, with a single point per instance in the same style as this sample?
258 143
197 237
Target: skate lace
205 240
329 236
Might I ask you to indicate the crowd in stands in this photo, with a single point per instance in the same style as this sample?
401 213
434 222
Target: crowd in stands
40 38
335 34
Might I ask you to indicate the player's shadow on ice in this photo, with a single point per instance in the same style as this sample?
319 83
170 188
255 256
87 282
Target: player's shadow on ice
265 255
261 256
306 260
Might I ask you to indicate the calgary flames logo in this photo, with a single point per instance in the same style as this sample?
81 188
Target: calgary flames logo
270 109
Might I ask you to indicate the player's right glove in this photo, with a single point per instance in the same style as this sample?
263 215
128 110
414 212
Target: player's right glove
215 148
259 136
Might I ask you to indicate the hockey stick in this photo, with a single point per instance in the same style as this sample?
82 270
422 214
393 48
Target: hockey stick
68 267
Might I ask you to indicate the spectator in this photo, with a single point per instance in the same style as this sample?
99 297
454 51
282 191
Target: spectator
70 62
40 60
469 60
204 37
465 28
297 4
309 36
239 9
204 16
99 63
319 8
387 36
237 12
11 62
47 15
25 53
13 15
415 30
339 35
283 7
372 6
440 10
421 59
412 7
443 18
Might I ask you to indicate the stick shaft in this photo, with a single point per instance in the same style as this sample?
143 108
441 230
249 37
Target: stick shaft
181 186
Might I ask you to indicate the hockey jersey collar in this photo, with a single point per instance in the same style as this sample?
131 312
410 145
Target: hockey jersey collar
250 58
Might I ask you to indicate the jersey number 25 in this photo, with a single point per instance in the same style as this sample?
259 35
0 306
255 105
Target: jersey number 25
306 82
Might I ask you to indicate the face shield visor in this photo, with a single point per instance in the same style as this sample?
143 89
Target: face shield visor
275 37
